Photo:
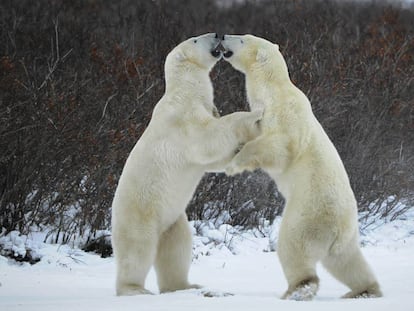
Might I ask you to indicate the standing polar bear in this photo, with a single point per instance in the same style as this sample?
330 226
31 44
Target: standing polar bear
320 218
184 139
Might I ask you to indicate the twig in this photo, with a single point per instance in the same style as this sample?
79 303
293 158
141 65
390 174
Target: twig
58 59
18 130
53 123
106 105
147 90
57 39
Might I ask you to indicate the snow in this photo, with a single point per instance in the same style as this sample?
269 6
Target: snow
226 260
402 3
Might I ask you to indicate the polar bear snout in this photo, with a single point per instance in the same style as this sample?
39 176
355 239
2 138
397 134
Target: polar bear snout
210 41
228 52
231 43
216 51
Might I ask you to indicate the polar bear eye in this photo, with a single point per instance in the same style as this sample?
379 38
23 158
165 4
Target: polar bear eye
195 41
241 41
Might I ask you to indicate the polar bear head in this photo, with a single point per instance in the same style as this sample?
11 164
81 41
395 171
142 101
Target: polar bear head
248 53
200 52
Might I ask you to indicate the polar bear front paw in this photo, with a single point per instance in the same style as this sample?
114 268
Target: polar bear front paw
255 127
233 169
240 163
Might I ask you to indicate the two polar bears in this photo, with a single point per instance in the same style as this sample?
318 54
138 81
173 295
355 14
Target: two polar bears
185 138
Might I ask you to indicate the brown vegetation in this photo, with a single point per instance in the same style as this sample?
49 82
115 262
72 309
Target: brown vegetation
79 80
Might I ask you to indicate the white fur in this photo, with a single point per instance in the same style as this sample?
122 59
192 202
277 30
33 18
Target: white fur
320 218
183 140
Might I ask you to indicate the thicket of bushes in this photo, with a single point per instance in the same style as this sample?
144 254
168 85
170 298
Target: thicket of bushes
79 80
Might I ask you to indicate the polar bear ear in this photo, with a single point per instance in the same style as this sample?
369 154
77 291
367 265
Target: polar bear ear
261 55
180 56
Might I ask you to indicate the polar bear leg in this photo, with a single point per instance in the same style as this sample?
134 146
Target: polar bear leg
173 259
298 261
302 279
351 268
134 259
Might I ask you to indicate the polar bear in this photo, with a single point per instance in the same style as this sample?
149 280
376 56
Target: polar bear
184 139
320 217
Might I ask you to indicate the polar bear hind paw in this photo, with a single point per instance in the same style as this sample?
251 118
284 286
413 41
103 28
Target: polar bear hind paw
133 291
371 292
305 291
195 286
180 288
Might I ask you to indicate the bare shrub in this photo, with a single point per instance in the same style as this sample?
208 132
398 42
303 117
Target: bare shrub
79 80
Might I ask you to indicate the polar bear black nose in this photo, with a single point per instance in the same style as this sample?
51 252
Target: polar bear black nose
228 54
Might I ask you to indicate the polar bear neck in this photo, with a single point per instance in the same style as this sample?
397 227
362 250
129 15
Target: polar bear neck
196 79
265 89
271 70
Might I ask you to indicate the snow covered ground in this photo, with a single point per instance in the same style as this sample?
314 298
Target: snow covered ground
225 261
398 3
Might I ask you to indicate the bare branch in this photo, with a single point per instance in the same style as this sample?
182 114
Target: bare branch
106 105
